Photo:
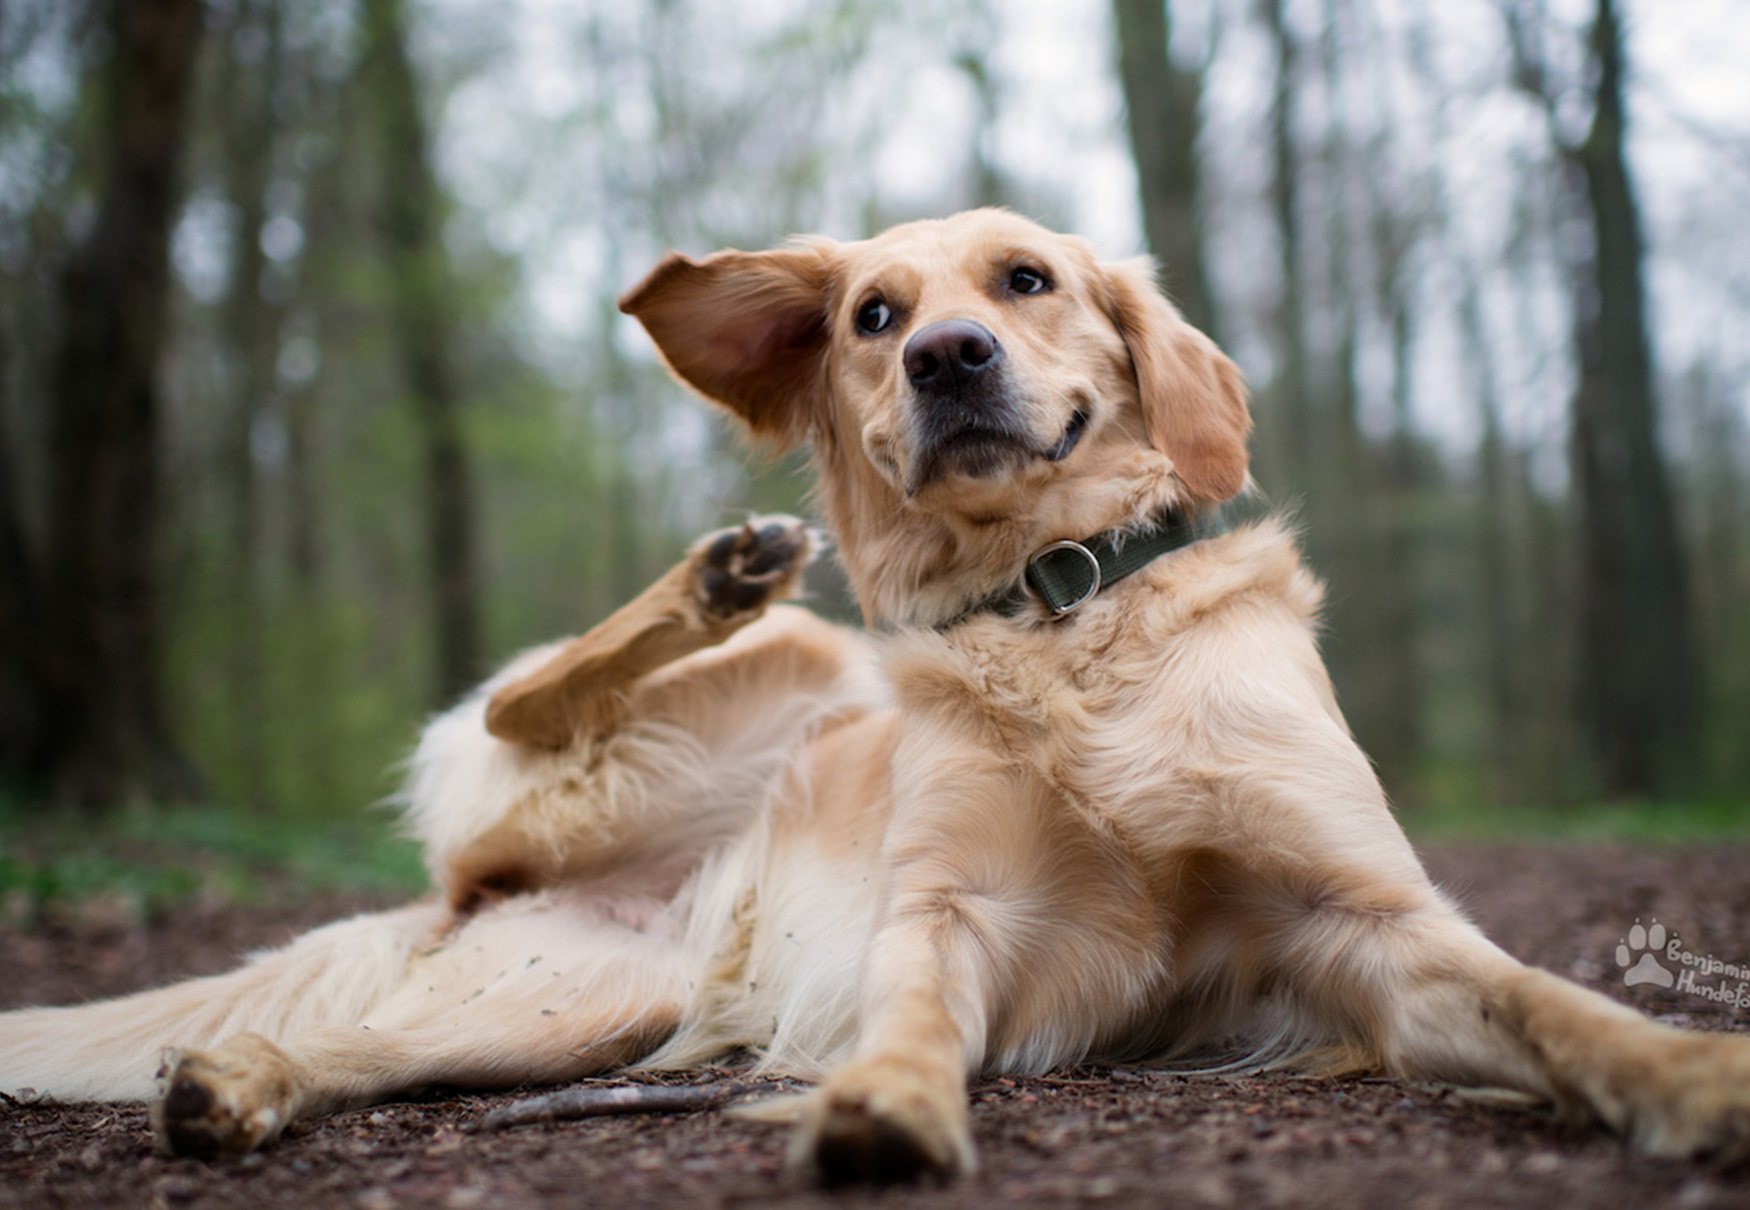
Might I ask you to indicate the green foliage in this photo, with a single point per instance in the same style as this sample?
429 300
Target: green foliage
1623 823
147 857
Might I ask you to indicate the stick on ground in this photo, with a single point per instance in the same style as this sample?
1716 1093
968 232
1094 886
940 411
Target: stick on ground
590 1101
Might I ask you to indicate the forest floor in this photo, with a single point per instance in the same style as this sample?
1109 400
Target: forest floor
1109 1137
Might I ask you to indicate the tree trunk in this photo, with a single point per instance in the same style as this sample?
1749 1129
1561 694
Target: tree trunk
1290 389
1389 479
1637 663
412 222
251 327
102 735
21 625
1163 102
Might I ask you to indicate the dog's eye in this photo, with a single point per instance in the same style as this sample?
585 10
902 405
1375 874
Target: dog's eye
873 316
1025 280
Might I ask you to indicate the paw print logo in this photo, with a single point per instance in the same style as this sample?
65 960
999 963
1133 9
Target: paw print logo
1638 956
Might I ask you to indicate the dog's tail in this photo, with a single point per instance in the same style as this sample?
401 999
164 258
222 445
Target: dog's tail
110 1051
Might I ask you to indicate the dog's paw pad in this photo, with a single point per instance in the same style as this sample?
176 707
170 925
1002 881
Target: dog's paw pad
745 568
857 1146
881 1123
205 1109
192 1123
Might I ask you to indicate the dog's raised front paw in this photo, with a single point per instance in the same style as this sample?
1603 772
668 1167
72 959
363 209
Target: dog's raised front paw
746 568
881 1123
221 1102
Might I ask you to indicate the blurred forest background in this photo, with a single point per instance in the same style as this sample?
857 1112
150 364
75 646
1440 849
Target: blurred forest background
314 402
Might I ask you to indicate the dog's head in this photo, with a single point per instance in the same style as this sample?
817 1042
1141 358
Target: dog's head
973 388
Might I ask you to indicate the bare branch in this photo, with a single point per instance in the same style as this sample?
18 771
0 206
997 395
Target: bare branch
1530 74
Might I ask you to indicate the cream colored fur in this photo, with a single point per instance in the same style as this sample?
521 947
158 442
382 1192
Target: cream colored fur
711 825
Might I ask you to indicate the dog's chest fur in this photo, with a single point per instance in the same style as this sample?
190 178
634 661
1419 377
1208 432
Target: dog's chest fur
1102 706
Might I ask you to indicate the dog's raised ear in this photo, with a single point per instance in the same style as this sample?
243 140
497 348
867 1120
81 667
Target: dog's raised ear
747 330
1193 398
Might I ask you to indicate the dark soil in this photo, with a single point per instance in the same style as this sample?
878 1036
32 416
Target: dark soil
1108 1136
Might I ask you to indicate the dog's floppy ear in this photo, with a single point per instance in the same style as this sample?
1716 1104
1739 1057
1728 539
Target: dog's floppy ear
1193 399
745 329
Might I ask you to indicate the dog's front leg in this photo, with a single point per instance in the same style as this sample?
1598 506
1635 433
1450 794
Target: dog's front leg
898 1109
940 966
1486 1019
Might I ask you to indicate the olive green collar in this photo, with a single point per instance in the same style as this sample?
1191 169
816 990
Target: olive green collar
1064 576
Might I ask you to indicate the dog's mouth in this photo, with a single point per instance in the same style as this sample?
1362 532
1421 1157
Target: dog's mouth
1072 437
985 451
976 451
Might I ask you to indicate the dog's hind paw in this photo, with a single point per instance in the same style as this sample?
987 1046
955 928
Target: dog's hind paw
746 568
221 1102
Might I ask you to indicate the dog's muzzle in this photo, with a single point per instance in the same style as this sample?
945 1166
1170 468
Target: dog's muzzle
967 421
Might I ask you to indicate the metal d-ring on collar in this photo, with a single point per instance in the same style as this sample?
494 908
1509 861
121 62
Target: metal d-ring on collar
1042 578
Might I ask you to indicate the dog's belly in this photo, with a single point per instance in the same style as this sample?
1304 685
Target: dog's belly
546 954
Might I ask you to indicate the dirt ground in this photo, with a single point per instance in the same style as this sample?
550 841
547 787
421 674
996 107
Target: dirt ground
1114 1137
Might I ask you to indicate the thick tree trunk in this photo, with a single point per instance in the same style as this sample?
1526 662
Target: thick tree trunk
21 627
412 219
102 733
1637 662
1163 102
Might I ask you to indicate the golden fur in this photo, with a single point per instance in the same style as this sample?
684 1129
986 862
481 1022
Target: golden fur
712 825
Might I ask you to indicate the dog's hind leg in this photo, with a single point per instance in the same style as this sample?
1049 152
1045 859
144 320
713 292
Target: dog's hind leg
108 1051
659 729
243 1093
534 991
725 582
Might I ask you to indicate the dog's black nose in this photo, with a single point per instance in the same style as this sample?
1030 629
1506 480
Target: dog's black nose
951 354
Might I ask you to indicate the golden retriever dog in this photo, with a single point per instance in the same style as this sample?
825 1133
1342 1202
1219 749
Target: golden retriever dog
1082 794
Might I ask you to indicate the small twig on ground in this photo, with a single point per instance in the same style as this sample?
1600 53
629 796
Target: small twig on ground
1082 1082
591 1101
